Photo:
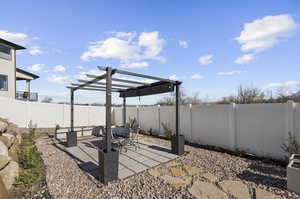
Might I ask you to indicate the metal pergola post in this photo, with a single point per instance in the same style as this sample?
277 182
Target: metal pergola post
108 110
72 135
177 140
124 111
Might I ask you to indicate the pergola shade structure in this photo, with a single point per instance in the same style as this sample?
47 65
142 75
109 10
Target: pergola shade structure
108 157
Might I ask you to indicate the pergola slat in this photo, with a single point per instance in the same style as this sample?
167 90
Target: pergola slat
104 83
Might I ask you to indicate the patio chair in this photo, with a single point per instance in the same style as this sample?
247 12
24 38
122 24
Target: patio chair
120 137
134 137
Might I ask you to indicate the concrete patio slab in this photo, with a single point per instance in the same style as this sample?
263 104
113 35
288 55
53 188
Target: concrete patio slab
131 162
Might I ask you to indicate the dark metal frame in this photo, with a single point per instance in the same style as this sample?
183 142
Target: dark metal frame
131 88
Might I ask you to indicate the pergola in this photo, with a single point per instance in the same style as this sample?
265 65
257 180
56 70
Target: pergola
126 87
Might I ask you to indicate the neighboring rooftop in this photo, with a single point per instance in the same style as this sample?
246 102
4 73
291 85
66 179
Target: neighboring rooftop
24 75
15 46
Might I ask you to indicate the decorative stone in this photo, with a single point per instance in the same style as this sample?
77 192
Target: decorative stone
177 172
9 173
4 161
263 194
3 149
192 170
154 172
173 163
206 190
178 182
235 188
6 141
3 190
9 136
210 177
13 153
3 127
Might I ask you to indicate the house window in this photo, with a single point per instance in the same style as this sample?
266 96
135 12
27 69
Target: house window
5 52
3 83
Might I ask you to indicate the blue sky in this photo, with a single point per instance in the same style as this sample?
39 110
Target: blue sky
212 46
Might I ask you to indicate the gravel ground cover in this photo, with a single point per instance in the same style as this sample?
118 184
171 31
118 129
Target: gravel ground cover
66 180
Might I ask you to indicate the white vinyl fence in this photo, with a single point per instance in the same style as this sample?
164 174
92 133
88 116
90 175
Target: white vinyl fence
259 129
254 128
47 115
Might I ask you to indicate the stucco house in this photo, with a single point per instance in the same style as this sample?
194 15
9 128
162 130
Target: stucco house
9 73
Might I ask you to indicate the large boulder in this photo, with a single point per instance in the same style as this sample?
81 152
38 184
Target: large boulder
13 129
3 149
4 160
3 126
13 152
9 174
6 141
3 190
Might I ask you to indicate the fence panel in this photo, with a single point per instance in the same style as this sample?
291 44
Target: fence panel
297 122
96 115
261 128
43 115
211 125
15 111
149 118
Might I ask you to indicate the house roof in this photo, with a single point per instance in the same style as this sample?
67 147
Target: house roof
26 74
15 46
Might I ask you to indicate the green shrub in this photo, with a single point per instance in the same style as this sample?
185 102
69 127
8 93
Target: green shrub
290 146
167 130
27 177
29 157
152 132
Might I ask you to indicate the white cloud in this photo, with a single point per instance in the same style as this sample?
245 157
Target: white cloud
206 59
286 84
244 59
153 44
183 44
35 50
18 38
196 76
173 77
82 75
265 32
36 67
234 72
59 68
143 64
59 79
147 46
128 35
79 67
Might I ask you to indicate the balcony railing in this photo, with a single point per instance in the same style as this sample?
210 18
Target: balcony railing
23 95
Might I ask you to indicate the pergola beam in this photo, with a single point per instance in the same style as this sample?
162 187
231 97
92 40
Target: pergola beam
138 75
98 78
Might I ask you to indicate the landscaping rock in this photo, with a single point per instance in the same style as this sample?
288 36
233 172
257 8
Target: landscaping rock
3 127
9 173
6 141
9 136
177 172
206 190
192 170
210 177
263 194
178 182
13 153
4 161
235 188
154 172
3 149
3 190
